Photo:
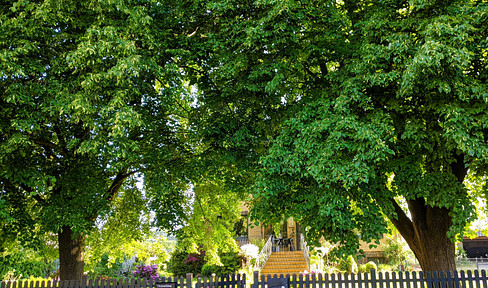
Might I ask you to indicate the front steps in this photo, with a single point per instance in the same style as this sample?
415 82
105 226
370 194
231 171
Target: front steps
286 262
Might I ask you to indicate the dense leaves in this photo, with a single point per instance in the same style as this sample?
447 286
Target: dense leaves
335 110
19 261
402 117
368 103
80 110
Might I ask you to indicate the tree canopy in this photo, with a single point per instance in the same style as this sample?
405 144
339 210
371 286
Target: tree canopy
363 103
403 114
89 99
334 110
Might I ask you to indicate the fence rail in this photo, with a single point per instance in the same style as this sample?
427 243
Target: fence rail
472 263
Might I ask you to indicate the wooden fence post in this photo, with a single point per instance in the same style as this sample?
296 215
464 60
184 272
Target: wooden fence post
256 280
189 280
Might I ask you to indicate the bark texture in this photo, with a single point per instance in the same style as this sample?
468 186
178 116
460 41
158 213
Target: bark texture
426 234
71 255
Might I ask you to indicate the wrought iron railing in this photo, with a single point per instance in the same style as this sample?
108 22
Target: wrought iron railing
265 253
242 240
304 247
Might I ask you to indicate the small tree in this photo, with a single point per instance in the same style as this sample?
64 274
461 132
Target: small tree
397 253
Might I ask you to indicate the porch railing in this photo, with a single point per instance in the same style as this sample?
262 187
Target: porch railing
265 253
242 240
304 247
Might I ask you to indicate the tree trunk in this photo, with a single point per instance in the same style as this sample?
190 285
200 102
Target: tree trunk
426 234
71 254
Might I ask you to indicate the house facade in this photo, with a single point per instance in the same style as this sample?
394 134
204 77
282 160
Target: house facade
291 230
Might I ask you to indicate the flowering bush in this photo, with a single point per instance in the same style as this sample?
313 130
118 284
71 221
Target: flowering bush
195 257
143 271
196 261
250 251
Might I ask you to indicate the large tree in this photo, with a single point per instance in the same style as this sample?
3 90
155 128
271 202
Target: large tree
402 114
379 102
88 99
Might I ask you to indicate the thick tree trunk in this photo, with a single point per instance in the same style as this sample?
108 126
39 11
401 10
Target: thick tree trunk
426 234
71 255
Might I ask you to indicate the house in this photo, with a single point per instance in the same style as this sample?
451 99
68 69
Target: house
291 230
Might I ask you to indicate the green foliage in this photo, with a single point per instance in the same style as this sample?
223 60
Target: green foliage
209 269
332 110
20 262
210 221
460 252
104 268
349 265
177 265
150 249
366 268
259 242
350 106
370 265
385 268
231 262
397 253
182 262
85 102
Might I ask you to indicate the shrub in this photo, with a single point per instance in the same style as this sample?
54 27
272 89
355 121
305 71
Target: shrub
349 265
146 271
177 265
370 265
182 263
385 268
102 268
260 243
398 253
209 269
196 262
21 262
230 265
231 262
366 268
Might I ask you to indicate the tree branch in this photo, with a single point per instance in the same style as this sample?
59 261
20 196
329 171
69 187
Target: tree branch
34 195
459 168
402 222
117 183
61 140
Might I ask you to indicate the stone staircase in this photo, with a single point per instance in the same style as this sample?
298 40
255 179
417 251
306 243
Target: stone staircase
286 262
